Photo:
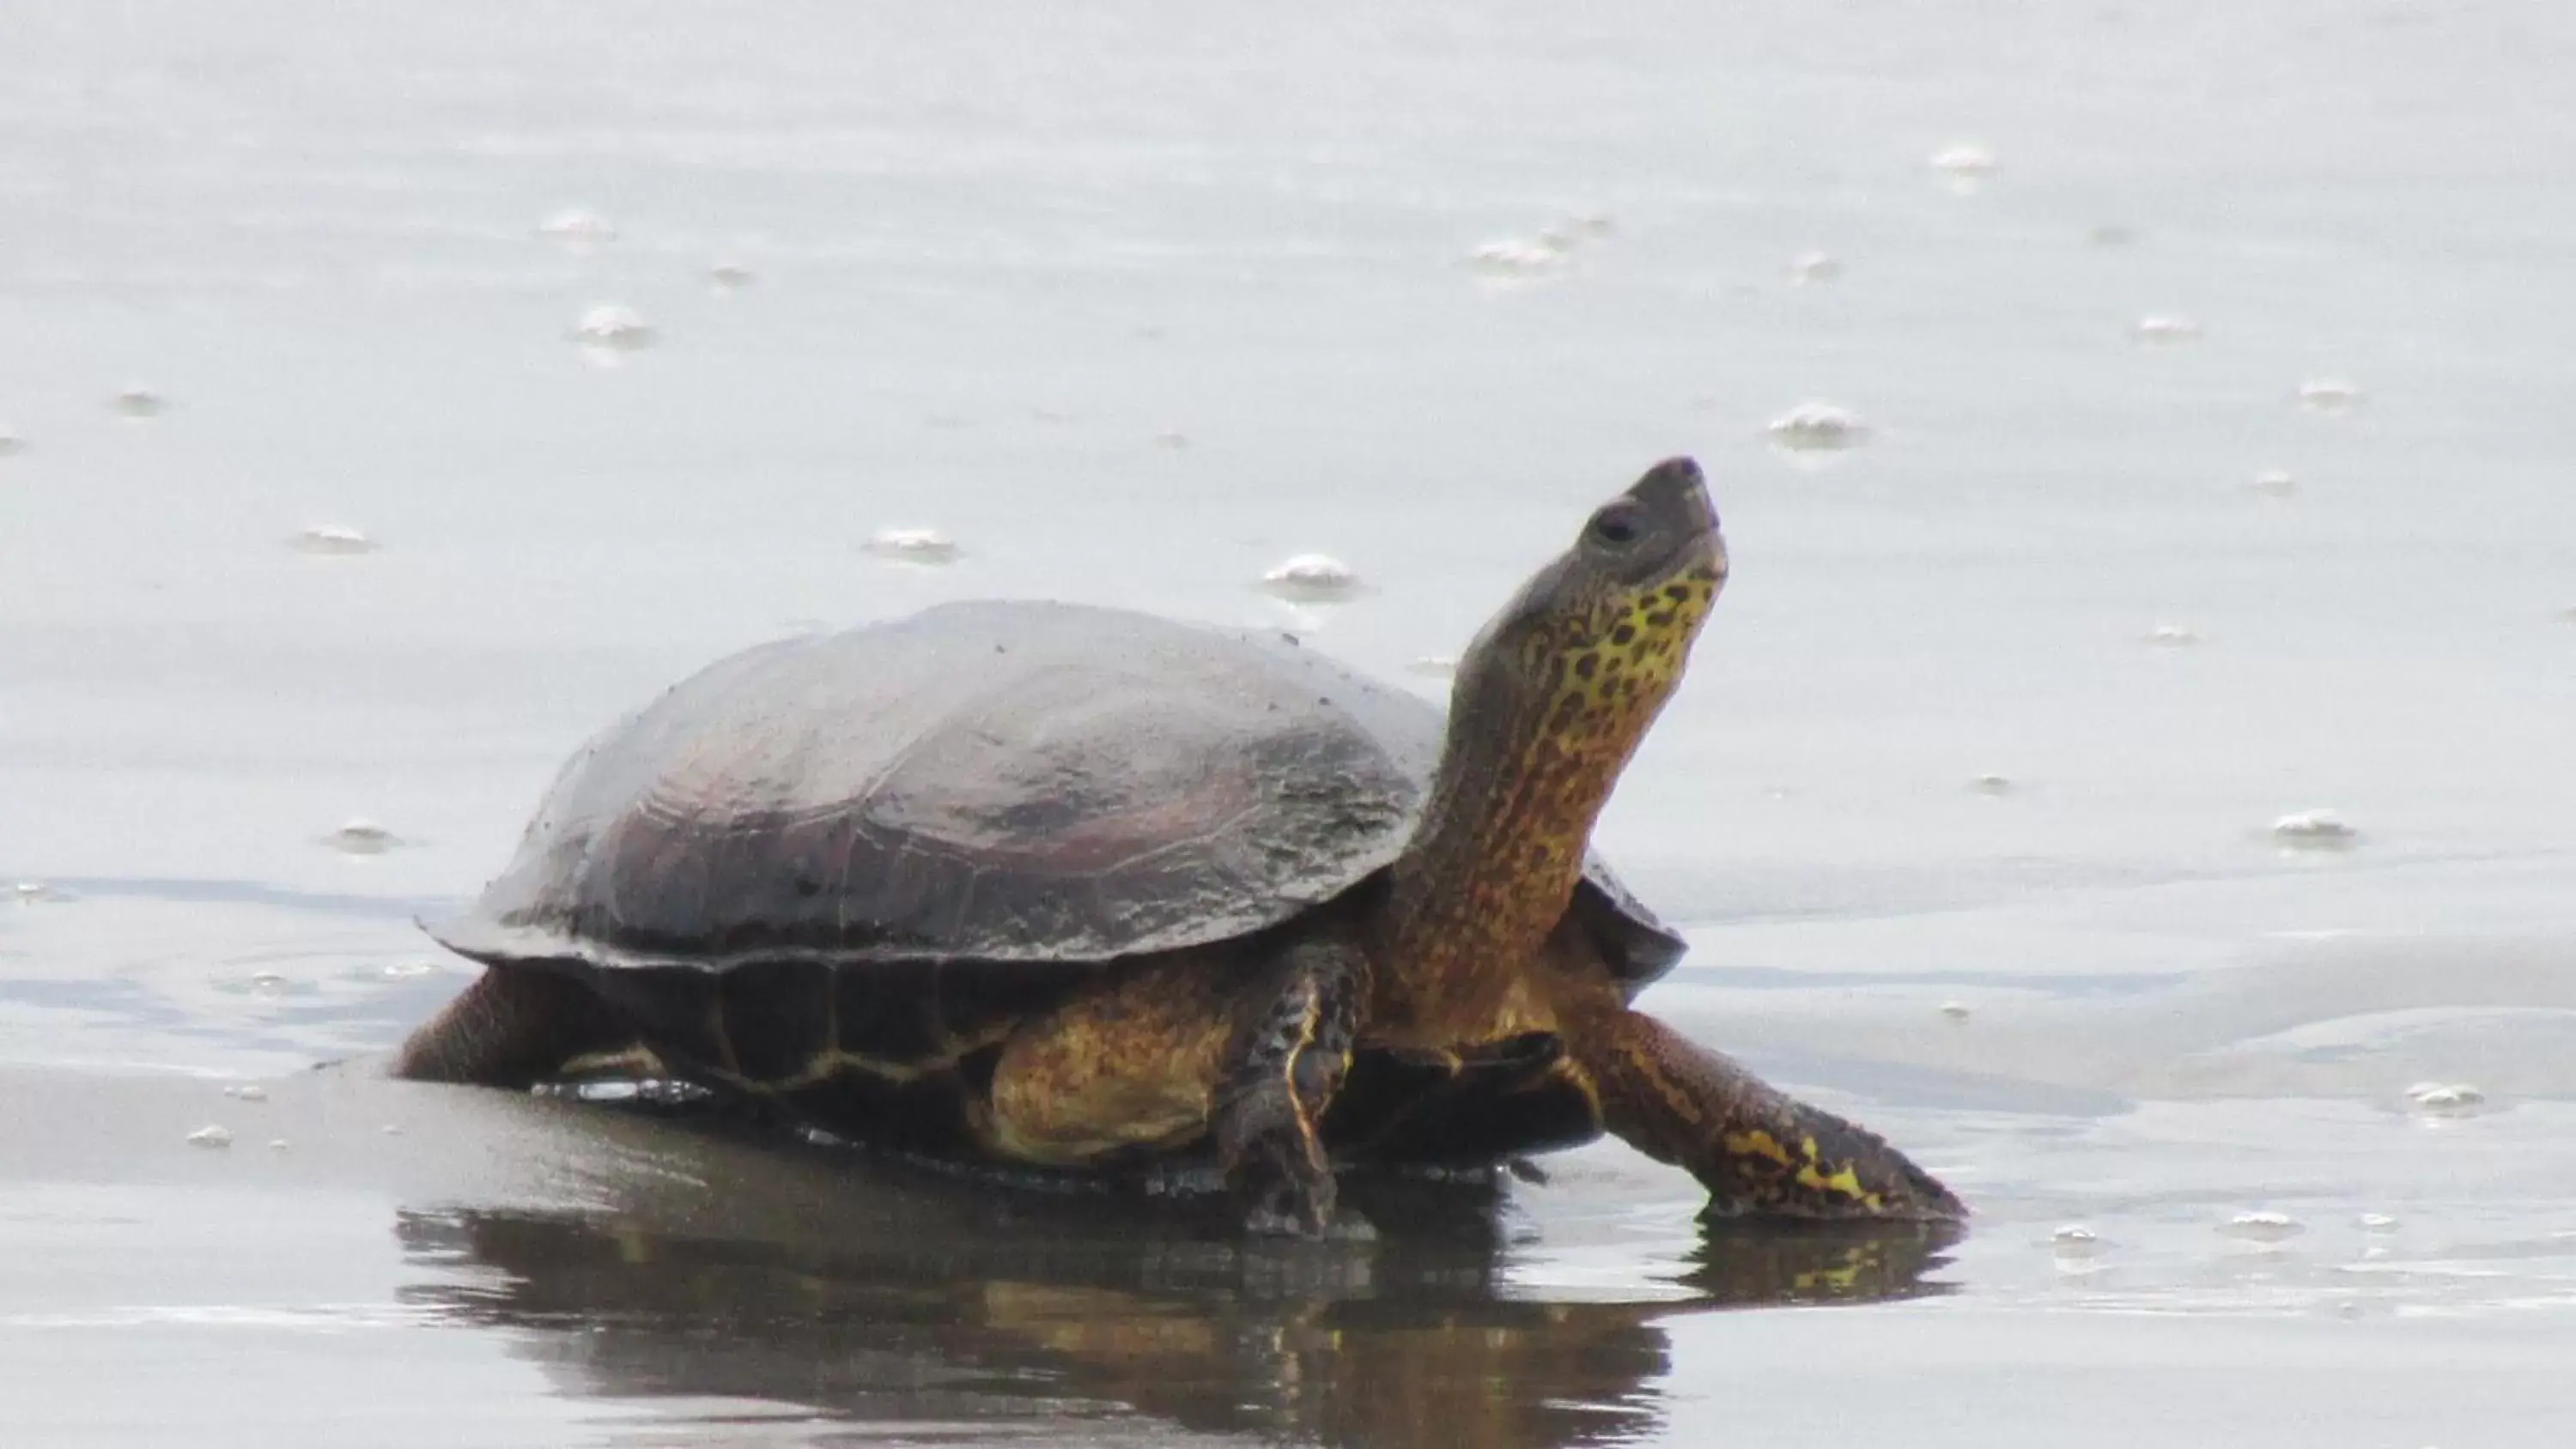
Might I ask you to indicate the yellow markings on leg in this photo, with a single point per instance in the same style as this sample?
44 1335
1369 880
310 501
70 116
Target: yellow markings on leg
1807 1166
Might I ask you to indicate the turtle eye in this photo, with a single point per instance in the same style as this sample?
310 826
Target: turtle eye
1617 525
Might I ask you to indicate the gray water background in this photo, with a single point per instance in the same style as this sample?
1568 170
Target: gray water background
1136 301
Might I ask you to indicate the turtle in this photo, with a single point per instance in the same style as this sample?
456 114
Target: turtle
1046 886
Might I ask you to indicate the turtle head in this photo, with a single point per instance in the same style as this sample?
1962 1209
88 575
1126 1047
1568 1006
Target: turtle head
1548 704
1584 656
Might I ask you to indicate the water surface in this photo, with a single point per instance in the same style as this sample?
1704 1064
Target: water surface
1134 304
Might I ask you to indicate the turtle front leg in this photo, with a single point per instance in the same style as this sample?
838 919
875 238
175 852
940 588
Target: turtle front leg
1287 1060
1758 1151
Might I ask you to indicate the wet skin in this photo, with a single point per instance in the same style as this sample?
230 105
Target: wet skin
1465 953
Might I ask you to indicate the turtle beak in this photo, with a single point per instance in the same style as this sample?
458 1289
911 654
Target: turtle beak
1675 492
1674 495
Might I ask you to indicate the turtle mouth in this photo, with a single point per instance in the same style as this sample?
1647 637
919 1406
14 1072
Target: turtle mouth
1672 500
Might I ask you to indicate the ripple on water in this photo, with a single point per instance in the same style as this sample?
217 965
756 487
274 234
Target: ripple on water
1813 268
2076 1248
614 327
924 546
2446 1099
577 227
2173 636
138 403
1534 258
361 836
1964 167
729 276
2274 483
330 539
211 1135
2327 395
2162 331
10 442
2264 1228
1312 578
1817 428
2314 830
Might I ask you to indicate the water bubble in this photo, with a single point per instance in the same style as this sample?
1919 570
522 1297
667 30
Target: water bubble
2446 1099
1172 440
1518 260
2263 1227
277 1144
269 982
2075 1243
138 403
729 276
400 970
2173 636
2273 483
1818 427
2327 394
2377 1223
361 836
2165 331
332 539
1312 578
2314 830
1810 268
1965 167
613 327
1955 1010
2112 234
36 892
211 1136
1992 784
1434 666
913 545
393 1129
577 227
247 1092
10 442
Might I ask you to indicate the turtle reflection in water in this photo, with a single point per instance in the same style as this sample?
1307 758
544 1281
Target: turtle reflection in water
1038 884
900 1304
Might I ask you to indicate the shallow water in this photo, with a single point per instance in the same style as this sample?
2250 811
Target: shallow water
1134 306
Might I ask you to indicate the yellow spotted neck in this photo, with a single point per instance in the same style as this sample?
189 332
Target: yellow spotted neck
1533 752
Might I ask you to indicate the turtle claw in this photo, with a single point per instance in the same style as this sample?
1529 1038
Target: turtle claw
1290 1059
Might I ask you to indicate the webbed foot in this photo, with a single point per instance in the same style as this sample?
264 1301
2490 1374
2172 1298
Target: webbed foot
1758 1150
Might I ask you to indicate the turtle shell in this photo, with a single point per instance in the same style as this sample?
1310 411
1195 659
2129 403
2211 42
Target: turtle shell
998 782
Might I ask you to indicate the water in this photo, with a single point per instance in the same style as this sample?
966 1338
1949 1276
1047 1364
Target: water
1136 303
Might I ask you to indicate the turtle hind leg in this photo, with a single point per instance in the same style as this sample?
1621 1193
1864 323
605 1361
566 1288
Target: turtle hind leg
515 1027
1287 1060
1758 1151
1196 1048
